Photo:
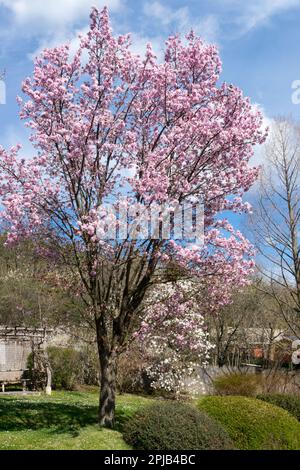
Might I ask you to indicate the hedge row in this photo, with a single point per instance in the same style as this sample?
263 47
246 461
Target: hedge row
290 403
229 422
254 424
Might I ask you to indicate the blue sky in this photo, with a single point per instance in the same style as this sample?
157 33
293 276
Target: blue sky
258 42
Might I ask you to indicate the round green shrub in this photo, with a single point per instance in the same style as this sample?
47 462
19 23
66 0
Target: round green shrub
238 384
290 403
254 424
174 426
66 366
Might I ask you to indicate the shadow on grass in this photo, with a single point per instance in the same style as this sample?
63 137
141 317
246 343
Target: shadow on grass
22 415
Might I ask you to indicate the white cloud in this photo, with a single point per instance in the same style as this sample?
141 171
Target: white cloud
166 15
248 15
158 11
56 22
139 41
259 12
183 21
53 14
208 28
231 18
64 37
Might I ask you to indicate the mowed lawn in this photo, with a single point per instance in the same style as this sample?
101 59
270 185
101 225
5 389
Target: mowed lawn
65 420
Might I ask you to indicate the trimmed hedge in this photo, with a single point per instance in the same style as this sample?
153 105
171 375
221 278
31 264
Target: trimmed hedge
247 385
174 426
290 403
254 424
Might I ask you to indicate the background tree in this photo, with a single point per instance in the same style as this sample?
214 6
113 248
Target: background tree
34 290
252 315
276 220
104 121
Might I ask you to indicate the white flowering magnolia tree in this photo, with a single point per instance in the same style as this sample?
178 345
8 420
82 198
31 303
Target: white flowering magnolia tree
173 336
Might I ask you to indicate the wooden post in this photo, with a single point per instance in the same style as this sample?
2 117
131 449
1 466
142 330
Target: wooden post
49 378
47 366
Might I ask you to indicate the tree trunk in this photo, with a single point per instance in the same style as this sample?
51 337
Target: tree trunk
108 368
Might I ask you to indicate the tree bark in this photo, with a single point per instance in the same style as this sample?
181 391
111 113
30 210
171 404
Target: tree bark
108 368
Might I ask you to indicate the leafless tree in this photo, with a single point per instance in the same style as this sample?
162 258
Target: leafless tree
276 219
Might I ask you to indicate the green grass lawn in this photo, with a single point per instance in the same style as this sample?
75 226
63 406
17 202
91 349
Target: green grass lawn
66 420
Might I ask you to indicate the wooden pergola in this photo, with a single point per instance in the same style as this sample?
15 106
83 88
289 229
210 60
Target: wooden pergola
16 344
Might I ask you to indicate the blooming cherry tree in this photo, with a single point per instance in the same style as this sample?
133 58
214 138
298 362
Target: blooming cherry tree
105 121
